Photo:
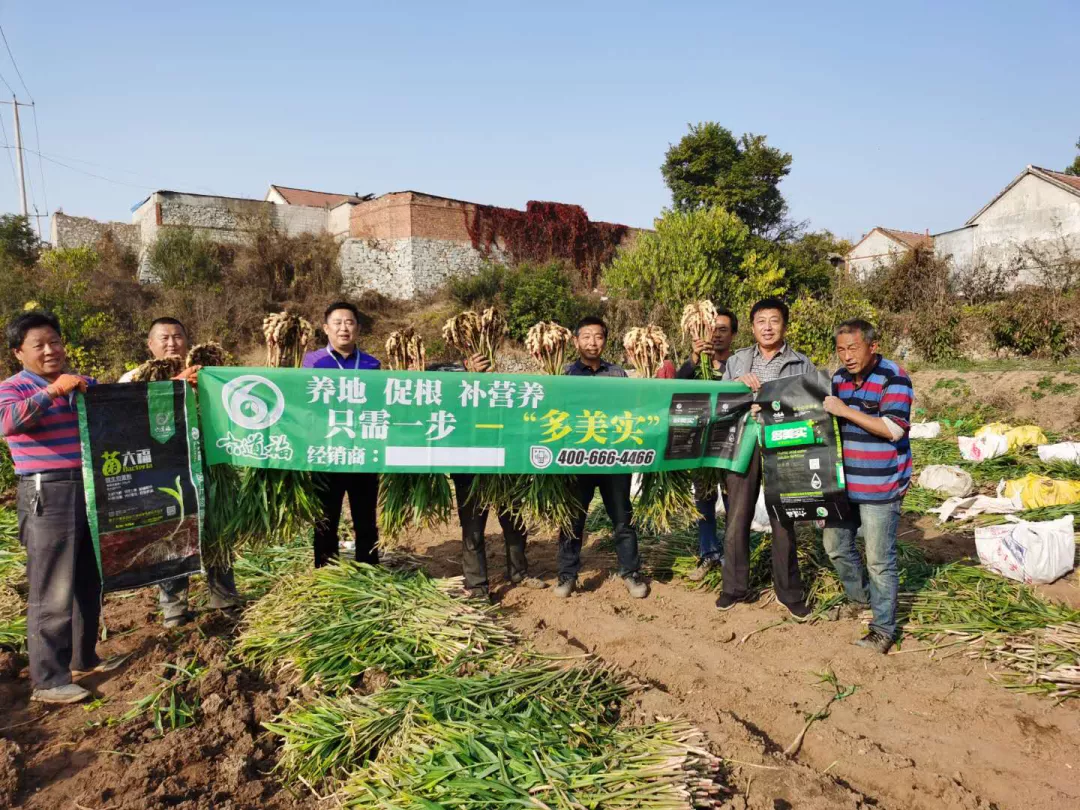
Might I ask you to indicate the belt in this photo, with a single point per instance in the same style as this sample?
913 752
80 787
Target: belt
54 475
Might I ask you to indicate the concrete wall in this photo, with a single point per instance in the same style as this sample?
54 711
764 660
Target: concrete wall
71 232
874 251
1034 226
337 220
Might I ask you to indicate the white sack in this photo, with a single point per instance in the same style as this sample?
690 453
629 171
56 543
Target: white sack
947 479
1030 552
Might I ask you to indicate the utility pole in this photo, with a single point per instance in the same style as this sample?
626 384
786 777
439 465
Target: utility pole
19 155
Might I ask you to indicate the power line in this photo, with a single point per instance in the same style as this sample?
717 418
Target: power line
7 147
16 66
83 171
8 86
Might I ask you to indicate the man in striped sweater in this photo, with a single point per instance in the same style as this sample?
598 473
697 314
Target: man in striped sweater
40 423
872 398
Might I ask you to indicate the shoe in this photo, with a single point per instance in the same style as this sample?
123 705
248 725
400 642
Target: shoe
874 640
479 592
853 610
636 585
535 583
108 665
178 620
727 602
706 565
227 601
566 586
68 693
798 610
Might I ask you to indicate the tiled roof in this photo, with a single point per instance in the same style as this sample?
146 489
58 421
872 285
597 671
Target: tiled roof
315 199
1061 177
910 238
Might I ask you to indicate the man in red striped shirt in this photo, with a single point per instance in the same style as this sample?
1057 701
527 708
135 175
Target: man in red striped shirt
40 423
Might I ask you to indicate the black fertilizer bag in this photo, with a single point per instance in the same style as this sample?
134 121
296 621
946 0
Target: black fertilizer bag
142 471
801 457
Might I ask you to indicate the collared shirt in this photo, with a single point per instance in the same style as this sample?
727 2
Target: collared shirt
42 432
328 358
606 369
769 370
878 470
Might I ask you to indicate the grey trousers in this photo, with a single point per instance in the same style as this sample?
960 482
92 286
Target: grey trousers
64 605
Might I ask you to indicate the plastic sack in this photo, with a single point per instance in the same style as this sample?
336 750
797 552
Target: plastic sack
1065 451
975 505
980 448
761 522
925 430
1023 436
1029 552
947 480
1036 491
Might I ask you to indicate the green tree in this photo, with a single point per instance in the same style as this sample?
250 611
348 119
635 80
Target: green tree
1074 169
701 253
806 261
18 240
711 167
182 258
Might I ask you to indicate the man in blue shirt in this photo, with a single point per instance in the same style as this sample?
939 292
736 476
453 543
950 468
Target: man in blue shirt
590 337
341 323
872 398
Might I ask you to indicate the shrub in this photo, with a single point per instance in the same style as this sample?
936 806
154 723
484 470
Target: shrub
1034 322
935 332
183 258
698 254
535 293
813 321
479 289
915 281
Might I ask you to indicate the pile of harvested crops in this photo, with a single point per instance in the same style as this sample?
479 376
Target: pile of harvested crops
665 500
331 624
157 370
209 354
12 579
410 500
698 320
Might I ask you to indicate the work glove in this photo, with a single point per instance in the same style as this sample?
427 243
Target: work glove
65 384
190 375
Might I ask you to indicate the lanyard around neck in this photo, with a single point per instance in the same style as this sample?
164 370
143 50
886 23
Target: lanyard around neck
356 366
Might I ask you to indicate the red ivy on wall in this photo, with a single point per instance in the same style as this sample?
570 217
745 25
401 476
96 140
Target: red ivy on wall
544 231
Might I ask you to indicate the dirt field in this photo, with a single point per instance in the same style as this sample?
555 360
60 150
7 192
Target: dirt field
919 731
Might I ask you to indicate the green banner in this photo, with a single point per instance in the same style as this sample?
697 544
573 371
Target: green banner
407 422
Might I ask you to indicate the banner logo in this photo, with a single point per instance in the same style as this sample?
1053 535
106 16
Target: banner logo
540 457
253 402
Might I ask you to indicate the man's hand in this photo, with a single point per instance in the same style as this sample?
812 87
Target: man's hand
751 381
701 346
478 363
835 406
65 384
190 375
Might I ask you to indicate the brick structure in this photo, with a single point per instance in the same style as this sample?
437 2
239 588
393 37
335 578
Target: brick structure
402 244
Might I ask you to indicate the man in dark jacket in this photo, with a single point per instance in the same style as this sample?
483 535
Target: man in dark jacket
770 358
590 337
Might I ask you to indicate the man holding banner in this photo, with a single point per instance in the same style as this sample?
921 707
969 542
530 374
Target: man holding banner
872 398
39 420
770 358
168 340
590 337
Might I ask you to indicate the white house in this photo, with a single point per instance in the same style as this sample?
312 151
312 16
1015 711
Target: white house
883 246
1031 225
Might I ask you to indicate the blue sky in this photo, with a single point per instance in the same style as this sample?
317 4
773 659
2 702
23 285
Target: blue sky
907 117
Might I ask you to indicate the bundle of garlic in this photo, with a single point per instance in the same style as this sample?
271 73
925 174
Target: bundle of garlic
547 342
157 370
473 334
288 337
405 351
698 319
209 354
646 348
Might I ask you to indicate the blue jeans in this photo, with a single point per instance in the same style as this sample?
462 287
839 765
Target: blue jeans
879 522
709 546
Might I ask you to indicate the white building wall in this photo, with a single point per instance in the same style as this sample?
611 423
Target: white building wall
956 246
875 251
1033 224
